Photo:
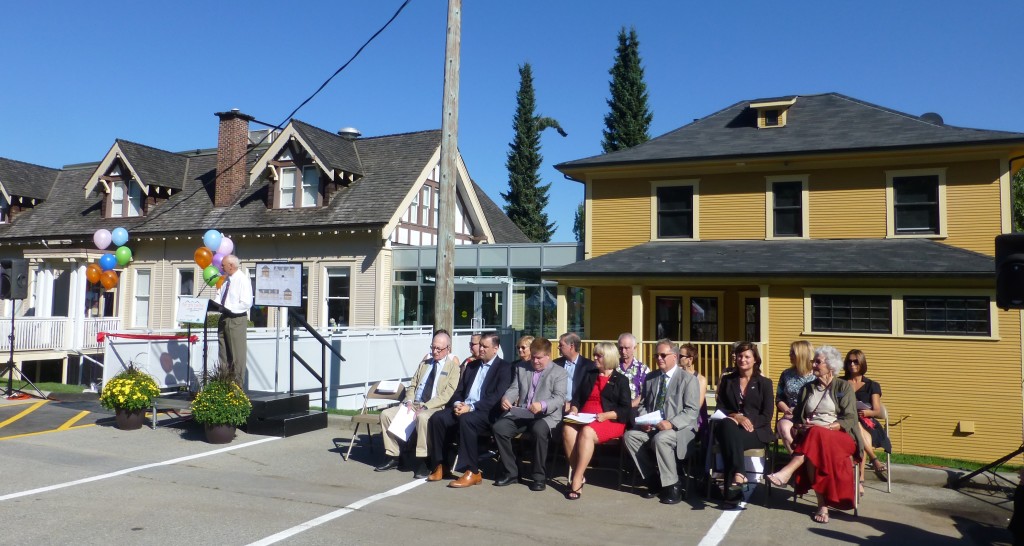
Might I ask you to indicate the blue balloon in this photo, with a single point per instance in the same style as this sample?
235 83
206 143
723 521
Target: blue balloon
119 236
212 239
108 262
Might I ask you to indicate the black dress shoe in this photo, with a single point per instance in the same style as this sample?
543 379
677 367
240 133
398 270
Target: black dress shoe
671 494
507 480
421 470
653 489
538 486
388 464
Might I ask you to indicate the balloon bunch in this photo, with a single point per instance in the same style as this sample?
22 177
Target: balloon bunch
103 273
210 256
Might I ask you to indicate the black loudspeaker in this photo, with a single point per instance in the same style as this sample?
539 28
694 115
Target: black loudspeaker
1010 271
13 279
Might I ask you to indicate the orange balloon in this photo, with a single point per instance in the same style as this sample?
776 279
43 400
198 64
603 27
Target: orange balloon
108 279
203 257
220 280
92 273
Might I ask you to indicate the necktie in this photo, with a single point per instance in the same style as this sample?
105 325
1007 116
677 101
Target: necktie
662 398
224 294
428 387
533 387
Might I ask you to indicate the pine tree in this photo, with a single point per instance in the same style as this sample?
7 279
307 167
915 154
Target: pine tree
628 122
579 223
527 197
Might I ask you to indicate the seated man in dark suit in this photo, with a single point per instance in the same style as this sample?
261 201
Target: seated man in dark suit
657 448
473 408
539 388
576 365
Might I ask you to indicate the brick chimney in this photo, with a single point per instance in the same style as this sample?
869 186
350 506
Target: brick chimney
232 144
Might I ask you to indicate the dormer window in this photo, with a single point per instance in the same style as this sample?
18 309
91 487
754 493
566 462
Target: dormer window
5 210
125 199
772 113
295 193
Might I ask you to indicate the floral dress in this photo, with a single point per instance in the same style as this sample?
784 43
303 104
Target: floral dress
790 383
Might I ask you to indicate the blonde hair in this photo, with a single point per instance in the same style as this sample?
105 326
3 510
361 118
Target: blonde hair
803 352
609 354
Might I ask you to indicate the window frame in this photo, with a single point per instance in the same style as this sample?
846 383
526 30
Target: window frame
294 171
686 322
694 184
326 287
315 187
891 177
131 199
137 297
898 312
769 211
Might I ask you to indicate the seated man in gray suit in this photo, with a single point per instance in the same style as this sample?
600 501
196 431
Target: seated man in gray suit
534 404
657 448
431 387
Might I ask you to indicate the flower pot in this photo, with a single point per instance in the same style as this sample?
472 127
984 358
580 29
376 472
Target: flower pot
129 419
220 434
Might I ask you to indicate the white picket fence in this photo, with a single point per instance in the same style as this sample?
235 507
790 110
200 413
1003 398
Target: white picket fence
54 333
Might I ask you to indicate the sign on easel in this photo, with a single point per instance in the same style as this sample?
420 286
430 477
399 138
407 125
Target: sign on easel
278 284
192 309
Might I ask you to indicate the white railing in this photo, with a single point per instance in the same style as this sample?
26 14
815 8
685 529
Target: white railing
94 326
53 333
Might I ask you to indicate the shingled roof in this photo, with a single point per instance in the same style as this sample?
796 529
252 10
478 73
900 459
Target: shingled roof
388 166
816 124
25 179
884 258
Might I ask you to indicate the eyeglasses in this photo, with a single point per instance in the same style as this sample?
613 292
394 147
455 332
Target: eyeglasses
436 348
853 361
524 347
663 356
685 356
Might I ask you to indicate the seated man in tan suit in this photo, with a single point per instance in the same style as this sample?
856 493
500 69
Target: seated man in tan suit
430 389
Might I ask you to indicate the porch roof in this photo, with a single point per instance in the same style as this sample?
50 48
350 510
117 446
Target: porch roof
786 258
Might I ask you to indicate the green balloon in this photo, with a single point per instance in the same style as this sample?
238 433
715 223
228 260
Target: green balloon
123 255
210 275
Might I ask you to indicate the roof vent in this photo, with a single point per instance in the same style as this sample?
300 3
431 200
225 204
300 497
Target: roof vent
933 118
350 133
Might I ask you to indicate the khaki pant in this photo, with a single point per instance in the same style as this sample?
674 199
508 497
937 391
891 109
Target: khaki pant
231 337
391 442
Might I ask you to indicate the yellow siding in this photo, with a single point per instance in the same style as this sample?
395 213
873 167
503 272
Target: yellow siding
609 311
621 215
972 205
847 204
930 384
732 207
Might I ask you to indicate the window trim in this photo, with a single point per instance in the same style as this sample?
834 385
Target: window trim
898 326
686 295
769 206
694 183
148 297
178 270
126 201
325 290
890 203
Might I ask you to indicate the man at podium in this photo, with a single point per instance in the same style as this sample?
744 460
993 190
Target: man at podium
233 300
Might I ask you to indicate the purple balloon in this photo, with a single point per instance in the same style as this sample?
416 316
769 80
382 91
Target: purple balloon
227 246
217 259
101 239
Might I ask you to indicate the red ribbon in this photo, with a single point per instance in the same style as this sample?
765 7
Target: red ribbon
100 336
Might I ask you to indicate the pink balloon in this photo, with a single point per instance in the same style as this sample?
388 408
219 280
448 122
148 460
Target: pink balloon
217 259
227 246
101 238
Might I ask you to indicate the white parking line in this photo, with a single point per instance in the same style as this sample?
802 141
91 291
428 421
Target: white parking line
55 487
336 514
725 521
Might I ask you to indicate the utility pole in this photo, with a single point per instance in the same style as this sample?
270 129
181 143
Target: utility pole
444 283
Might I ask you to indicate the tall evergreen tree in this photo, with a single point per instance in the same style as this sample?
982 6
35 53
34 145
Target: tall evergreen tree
527 197
579 223
628 122
1017 200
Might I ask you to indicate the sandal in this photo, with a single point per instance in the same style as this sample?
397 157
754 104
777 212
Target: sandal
575 494
776 480
880 467
821 516
861 489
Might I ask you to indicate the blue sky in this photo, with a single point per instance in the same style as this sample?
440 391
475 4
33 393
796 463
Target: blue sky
77 75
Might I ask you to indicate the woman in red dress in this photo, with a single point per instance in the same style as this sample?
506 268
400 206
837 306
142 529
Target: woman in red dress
826 436
604 392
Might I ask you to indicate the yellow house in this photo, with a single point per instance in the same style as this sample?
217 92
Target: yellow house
828 219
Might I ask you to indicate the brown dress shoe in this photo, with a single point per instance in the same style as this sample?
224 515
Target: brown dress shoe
468 479
437 475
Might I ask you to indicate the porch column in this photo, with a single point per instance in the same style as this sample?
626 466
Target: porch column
637 313
561 311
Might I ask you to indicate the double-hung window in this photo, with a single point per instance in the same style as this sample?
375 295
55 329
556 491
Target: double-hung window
674 210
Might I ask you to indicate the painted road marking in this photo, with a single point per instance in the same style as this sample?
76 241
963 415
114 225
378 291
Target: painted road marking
55 487
721 527
23 413
67 424
336 514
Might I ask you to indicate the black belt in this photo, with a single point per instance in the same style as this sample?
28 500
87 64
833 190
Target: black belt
229 314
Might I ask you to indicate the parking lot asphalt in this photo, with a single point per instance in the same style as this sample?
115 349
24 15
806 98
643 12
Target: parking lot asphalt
101 485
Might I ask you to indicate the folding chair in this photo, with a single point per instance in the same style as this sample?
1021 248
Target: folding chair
765 453
614 443
888 451
365 418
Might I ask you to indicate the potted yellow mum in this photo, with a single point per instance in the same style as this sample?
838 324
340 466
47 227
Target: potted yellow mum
221 406
129 393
